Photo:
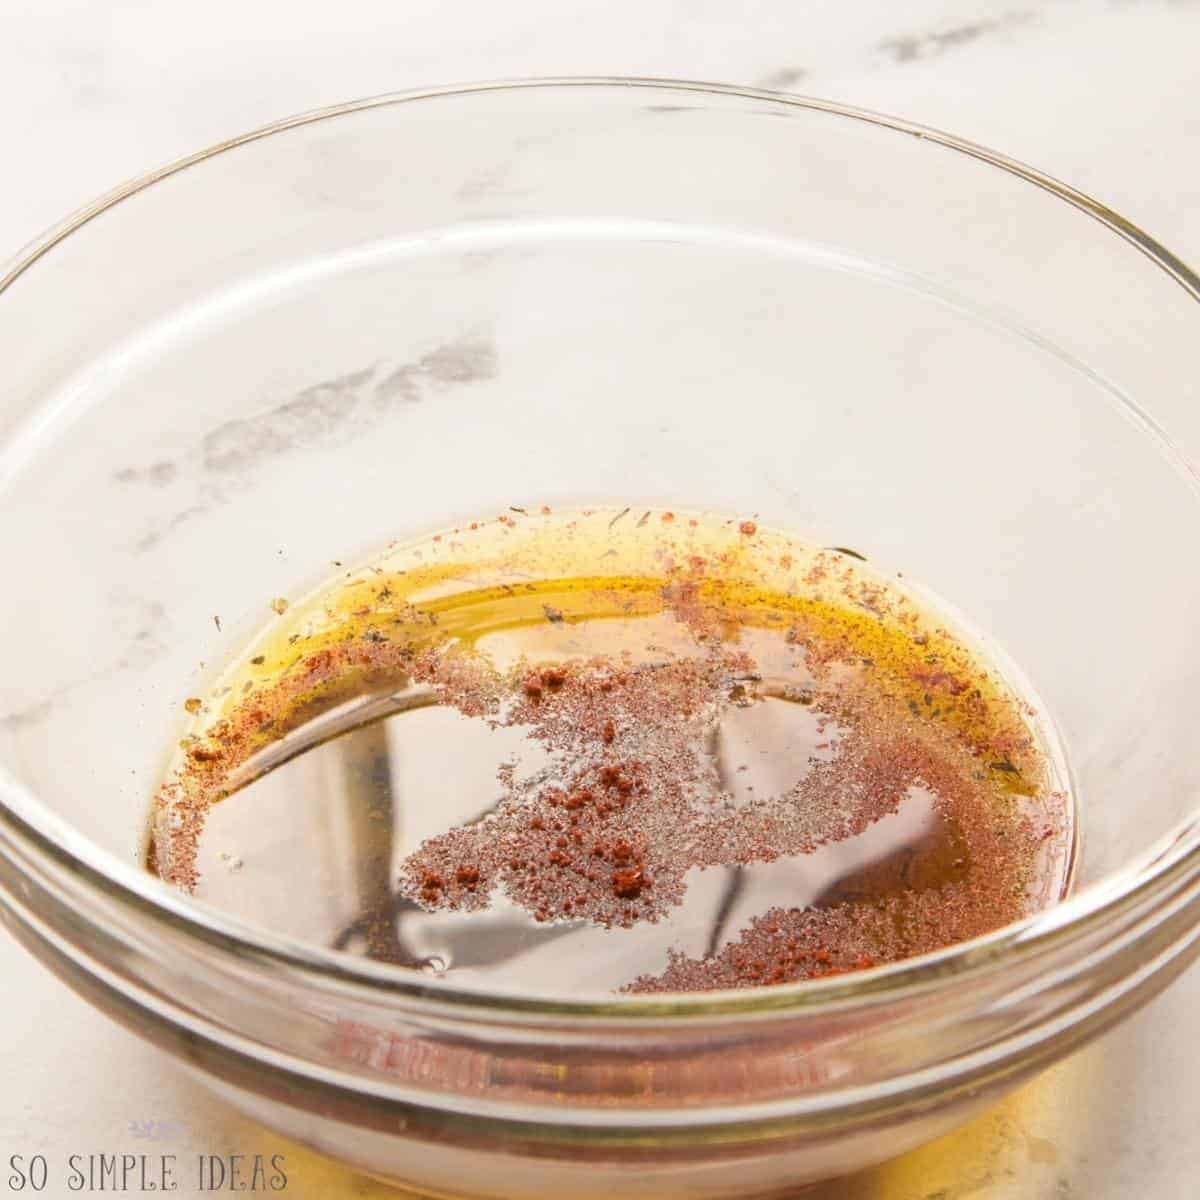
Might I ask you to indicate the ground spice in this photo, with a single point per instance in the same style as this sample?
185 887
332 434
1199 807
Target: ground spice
632 801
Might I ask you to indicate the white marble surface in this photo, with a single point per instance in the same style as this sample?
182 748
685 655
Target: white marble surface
1102 93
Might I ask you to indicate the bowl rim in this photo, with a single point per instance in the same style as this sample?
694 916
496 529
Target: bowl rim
1157 873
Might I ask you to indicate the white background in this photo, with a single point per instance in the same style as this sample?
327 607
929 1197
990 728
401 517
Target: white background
1102 93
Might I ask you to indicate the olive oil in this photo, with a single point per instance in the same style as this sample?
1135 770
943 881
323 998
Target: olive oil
617 750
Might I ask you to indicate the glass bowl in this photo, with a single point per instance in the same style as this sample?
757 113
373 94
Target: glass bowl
362 323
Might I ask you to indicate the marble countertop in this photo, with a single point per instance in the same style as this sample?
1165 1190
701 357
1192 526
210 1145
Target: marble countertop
1101 93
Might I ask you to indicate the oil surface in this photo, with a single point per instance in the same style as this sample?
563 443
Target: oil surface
603 749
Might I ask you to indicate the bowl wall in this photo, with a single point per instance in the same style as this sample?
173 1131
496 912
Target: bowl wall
363 325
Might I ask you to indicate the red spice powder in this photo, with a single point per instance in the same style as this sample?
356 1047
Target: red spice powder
627 808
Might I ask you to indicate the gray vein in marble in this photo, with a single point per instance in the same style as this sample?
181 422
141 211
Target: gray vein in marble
26 718
146 644
156 535
325 413
309 417
912 47
160 473
485 182
783 79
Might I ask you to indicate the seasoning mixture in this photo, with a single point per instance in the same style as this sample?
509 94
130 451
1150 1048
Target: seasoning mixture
632 749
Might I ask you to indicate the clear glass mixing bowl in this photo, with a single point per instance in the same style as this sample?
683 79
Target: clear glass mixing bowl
359 324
